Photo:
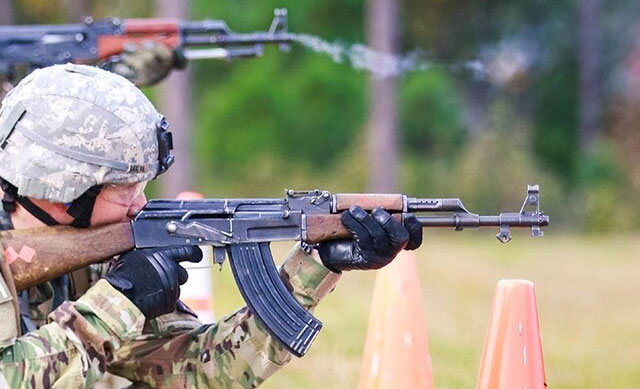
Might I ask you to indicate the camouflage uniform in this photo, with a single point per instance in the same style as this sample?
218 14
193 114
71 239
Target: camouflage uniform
147 64
103 331
77 342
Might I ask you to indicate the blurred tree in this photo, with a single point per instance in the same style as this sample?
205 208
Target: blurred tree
290 111
175 101
382 32
430 120
555 132
590 77
7 15
626 114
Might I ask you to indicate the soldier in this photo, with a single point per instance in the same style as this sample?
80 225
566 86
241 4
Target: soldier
144 65
77 146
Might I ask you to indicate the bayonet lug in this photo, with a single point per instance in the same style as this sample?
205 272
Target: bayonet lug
504 236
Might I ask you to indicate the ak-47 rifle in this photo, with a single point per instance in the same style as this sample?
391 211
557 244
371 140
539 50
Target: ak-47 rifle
242 230
37 46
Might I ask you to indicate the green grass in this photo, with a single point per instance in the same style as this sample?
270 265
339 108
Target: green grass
587 289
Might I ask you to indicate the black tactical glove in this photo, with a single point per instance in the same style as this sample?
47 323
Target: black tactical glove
146 64
151 278
378 238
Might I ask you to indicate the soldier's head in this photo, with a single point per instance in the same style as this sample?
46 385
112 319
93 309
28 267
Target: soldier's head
78 144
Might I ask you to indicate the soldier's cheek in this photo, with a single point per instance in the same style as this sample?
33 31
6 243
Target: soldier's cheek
107 213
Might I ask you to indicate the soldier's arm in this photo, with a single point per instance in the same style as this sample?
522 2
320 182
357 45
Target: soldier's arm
75 347
236 352
146 64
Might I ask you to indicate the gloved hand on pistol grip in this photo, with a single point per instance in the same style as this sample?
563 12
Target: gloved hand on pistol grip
377 239
151 278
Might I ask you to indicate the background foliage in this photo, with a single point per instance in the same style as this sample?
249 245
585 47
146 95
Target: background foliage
297 119
300 117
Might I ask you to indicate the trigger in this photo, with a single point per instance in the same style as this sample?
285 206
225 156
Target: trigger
219 255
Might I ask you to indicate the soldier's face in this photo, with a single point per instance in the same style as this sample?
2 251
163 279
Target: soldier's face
117 203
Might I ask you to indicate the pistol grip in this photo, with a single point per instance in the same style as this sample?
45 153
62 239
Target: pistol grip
269 299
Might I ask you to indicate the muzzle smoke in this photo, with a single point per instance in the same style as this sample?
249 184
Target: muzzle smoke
382 65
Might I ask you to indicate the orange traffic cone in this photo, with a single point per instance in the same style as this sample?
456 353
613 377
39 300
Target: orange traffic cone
197 293
512 356
396 353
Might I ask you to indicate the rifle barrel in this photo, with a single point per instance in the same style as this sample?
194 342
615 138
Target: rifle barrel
475 221
237 39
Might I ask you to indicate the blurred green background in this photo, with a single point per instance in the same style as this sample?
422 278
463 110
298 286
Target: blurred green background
298 120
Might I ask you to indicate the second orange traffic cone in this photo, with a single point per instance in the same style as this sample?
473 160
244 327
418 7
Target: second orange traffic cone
512 356
396 353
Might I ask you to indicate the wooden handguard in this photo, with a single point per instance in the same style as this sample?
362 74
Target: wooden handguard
390 202
138 32
162 26
41 254
329 227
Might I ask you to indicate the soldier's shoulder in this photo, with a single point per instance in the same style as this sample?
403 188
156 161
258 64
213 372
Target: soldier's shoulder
8 308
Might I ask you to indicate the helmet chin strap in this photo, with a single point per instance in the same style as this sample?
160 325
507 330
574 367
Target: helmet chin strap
36 211
81 208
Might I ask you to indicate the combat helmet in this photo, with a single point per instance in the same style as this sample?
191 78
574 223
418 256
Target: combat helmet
66 130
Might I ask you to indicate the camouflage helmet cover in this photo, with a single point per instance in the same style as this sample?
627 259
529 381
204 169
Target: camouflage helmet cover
66 128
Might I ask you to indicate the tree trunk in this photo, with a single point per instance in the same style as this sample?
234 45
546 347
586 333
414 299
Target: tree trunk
7 14
382 18
589 64
174 101
7 17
